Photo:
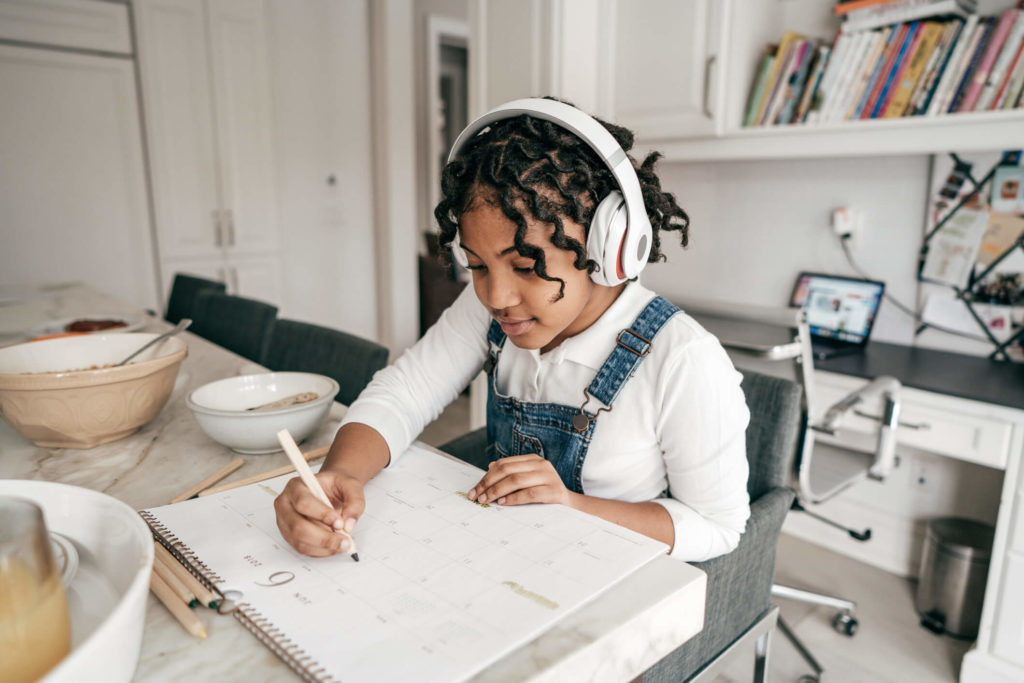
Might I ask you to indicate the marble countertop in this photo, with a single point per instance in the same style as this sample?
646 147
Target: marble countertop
614 637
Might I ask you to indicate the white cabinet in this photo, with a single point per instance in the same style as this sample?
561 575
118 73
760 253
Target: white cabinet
205 85
671 88
72 180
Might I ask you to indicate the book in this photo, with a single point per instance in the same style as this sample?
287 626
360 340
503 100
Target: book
797 83
899 68
834 112
872 65
444 587
953 62
826 91
908 13
810 96
846 6
992 48
906 82
757 91
1000 71
795 53
963 67
1007 86
935 68
785 48
986 26
866 9
888 70
1015 87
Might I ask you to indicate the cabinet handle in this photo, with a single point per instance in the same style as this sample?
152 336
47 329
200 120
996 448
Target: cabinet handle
705 105
231 227
218 229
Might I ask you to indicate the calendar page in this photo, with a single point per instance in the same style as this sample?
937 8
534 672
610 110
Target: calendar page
444 586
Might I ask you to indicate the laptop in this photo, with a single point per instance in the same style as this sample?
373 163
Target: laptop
840 311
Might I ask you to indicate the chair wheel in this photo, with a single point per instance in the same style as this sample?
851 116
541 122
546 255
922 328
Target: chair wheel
845 624
808 678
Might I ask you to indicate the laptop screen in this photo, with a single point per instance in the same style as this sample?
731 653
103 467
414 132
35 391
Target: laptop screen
838 308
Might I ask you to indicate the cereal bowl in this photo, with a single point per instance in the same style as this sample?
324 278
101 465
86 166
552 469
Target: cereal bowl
245 413
68 393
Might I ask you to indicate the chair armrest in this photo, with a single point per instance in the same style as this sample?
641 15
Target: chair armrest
885 450
471 447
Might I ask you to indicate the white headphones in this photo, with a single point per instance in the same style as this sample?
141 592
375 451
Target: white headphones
619 238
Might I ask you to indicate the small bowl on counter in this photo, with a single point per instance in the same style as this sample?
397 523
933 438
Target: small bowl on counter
245 413
68 393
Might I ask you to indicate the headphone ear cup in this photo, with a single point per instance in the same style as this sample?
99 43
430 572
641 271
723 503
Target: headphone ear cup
458 253
605 240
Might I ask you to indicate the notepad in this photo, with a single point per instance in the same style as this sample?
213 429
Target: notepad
445 586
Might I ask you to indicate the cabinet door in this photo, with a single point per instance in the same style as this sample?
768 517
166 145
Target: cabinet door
241 94
72 181
174 68
669 64
255 278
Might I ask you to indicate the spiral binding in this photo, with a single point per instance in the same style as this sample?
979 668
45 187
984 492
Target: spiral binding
268 634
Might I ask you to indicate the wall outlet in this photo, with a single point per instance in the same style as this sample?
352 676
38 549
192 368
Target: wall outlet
847 223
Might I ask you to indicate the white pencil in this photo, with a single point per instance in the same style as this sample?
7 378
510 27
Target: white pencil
306 474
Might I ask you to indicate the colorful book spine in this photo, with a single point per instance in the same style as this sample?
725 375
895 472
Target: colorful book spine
935 104
1015 88
899 68
1000 72
841 88
757 92
811 91
933 71
798 82
826 89
928 38
869 73
785 48
985 33
992 48
887 71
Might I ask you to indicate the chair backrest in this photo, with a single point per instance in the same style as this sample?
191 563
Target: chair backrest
305 347
184 290
234 322
774 432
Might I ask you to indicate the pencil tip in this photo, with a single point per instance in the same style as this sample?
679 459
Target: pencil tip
201 633
355 556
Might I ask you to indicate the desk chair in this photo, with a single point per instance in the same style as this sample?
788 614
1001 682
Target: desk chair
777 341
738 613
234 322
184 291
304 347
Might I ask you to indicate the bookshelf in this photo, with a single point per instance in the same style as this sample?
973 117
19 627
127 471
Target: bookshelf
744 29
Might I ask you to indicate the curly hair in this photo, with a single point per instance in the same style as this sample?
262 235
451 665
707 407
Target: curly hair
527 165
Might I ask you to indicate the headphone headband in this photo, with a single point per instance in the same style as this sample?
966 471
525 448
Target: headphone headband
597 138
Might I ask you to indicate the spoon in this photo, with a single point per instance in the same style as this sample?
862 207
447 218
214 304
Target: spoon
182 325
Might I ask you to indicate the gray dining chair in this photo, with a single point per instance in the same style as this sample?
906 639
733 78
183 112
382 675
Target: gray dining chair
738 611
184 290
304 347
238 324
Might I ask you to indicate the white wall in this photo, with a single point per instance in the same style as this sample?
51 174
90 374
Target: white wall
320 69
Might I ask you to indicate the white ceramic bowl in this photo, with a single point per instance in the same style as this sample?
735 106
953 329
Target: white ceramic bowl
107 595
221 408
58 394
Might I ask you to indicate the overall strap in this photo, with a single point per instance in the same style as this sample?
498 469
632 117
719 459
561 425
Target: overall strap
495 335
631 347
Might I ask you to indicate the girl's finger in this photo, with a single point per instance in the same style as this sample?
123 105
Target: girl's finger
504 468
307 505
512 483
534 494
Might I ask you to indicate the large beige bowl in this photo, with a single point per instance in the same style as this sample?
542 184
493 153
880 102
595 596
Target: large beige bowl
49 394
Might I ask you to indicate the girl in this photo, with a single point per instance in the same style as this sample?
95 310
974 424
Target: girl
602 396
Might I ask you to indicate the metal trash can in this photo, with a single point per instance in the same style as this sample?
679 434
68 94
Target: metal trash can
954 567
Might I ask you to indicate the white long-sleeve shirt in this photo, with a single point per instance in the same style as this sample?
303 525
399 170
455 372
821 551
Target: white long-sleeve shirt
678 424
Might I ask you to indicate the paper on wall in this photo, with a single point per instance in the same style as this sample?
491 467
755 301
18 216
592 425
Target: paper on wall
953 250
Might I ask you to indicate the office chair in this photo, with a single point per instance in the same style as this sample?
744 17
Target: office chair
304 347
777 341
238 324
184 290
738 610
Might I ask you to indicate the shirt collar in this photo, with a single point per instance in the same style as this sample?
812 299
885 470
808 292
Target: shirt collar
592 346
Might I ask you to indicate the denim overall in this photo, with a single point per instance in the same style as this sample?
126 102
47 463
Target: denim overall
557 433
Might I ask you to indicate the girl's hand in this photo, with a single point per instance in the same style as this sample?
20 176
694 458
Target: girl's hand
309 525
520 479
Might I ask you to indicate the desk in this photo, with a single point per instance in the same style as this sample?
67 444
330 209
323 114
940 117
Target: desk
614 637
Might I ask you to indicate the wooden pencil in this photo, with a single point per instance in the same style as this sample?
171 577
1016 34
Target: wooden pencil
312 455
306 474
209 481
162 569
204 594
186 617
